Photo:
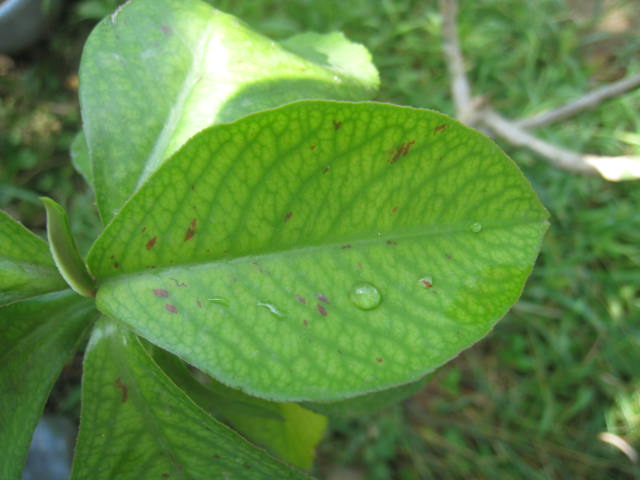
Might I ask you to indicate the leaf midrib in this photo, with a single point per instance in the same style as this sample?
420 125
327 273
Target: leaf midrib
366 240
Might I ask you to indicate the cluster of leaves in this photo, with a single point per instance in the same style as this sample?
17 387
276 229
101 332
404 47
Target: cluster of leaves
319 252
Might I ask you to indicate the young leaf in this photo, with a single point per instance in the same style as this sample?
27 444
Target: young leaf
369 403
26 266
322 250
80 157
136 423
285 429
65 252
157 71
37 337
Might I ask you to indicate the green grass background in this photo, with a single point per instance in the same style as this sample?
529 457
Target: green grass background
530 400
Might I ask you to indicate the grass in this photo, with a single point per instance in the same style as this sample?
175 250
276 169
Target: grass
530 400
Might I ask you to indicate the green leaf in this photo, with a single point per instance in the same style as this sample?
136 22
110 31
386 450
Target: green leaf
369 403
80 157
158 71
65 252
333 50
26 266
137 424
322 250
37 337
285 429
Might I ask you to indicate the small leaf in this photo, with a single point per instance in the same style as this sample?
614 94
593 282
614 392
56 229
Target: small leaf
369 403
80 157
65 252
322 250
333 50
158 71
26 266
37 337
285 429
136 423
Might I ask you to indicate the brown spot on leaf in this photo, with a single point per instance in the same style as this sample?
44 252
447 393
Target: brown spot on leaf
426 283
301 299
191 230
312 147
144 229
344 247
391 242
171 308
326 169
287 217
248 467
123 389
215 455
440 128
116 265
400 151
151 243
160 292
379 360
322 310
166 30
322 298
337 124
306 323
199 303
165 475
394 210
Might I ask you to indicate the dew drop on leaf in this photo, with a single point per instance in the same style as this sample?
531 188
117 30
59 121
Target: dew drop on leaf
272 310
365 296
219 301
475 227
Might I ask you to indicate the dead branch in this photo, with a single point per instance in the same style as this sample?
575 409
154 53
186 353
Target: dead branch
471 112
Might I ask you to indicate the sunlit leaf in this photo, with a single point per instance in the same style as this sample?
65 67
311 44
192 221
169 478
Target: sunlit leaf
322 250
157 71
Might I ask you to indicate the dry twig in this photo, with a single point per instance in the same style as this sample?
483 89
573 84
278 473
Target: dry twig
470 111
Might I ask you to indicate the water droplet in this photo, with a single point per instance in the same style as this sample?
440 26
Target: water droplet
272 310
365 296
475 227
426 282
220 301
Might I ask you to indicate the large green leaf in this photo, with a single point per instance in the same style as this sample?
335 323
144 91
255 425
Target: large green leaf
136 424
26 266
157 71
286 429
322 250
37 337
